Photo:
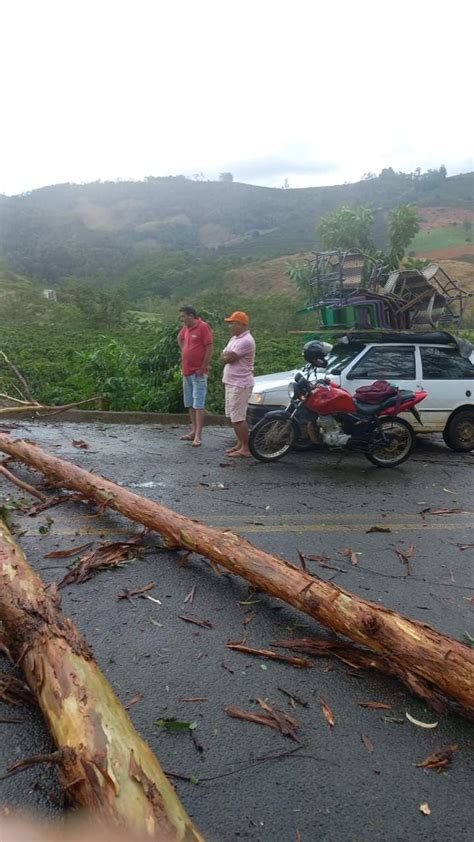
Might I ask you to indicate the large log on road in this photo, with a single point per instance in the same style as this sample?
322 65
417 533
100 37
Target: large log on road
104 765
428 661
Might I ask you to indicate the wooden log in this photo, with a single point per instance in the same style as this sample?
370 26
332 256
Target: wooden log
429 661
104 764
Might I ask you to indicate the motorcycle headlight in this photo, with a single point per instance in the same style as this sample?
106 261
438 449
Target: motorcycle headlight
292 390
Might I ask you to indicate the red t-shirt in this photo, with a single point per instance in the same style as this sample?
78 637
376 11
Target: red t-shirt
195 342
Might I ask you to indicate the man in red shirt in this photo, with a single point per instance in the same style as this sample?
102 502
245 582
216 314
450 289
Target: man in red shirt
195 340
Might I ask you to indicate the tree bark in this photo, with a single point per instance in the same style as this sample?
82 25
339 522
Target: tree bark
104 766
428 661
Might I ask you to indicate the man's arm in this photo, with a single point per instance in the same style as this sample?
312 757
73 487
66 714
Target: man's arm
229 357
206 360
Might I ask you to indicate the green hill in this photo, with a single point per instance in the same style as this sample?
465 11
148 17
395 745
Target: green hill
103 231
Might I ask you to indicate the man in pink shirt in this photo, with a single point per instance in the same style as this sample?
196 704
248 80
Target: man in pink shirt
238 357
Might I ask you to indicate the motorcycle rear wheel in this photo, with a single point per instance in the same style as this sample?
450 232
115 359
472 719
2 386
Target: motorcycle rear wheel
401 441
271 439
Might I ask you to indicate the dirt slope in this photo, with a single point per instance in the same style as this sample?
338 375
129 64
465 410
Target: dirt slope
262 277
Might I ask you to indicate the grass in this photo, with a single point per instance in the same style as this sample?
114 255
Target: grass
439 238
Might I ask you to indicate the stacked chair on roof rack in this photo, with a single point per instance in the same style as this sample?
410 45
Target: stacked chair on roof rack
397 300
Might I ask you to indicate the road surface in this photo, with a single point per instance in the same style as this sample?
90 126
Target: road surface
356 781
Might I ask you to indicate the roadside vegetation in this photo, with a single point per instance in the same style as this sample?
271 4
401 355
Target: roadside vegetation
133 367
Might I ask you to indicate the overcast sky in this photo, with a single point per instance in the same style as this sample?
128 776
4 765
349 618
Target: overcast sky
316 92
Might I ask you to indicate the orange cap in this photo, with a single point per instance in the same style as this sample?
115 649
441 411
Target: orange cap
238 316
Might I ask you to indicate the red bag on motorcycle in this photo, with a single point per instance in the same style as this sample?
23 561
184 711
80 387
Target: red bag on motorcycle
377 392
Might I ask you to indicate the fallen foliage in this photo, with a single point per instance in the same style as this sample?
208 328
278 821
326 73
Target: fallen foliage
433 665
377 529
189 618
126 594
271 717
367 742
350 553
328 714
110 554
13 691
439 759
273 656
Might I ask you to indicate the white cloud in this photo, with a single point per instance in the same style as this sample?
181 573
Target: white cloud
128 88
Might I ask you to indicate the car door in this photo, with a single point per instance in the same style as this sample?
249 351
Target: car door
395 363
449 380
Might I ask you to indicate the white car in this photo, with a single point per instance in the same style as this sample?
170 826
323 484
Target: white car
437 362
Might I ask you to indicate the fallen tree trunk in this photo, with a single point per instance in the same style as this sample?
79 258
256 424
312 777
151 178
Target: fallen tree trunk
430 663
104 764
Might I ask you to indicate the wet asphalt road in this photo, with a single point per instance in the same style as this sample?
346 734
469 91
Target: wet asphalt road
334 787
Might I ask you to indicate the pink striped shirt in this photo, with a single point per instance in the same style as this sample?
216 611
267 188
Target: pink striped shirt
240 373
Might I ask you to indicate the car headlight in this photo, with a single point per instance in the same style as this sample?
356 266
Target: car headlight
258 397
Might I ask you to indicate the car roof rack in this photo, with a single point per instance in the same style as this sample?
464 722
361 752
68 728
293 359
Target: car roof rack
402 337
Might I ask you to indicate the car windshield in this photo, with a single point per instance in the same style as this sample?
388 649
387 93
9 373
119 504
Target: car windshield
341 355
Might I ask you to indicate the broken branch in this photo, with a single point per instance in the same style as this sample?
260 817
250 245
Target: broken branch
433 664
269 653
105 766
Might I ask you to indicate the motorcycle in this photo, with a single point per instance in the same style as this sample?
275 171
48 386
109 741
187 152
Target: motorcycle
334 418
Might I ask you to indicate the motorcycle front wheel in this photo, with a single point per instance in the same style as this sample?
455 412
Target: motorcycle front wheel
271 439
392 444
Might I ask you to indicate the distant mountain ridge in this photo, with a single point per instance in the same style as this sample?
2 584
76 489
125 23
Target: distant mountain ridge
107 228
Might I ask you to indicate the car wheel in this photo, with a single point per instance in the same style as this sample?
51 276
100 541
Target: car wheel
459 432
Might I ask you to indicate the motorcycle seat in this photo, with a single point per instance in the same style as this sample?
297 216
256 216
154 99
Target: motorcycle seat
369 409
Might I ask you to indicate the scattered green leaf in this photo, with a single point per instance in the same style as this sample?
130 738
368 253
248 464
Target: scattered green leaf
46 527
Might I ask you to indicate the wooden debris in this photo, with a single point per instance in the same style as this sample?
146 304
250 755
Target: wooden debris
433 665
68 553
269 653
328 714
439 759
377 529
13 691
125 594
271 717
104 765
134 700
25 486
111 554
188 618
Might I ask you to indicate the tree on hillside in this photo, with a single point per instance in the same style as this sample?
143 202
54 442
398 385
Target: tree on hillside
300 273
351 227
226 176
346 228
404 224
